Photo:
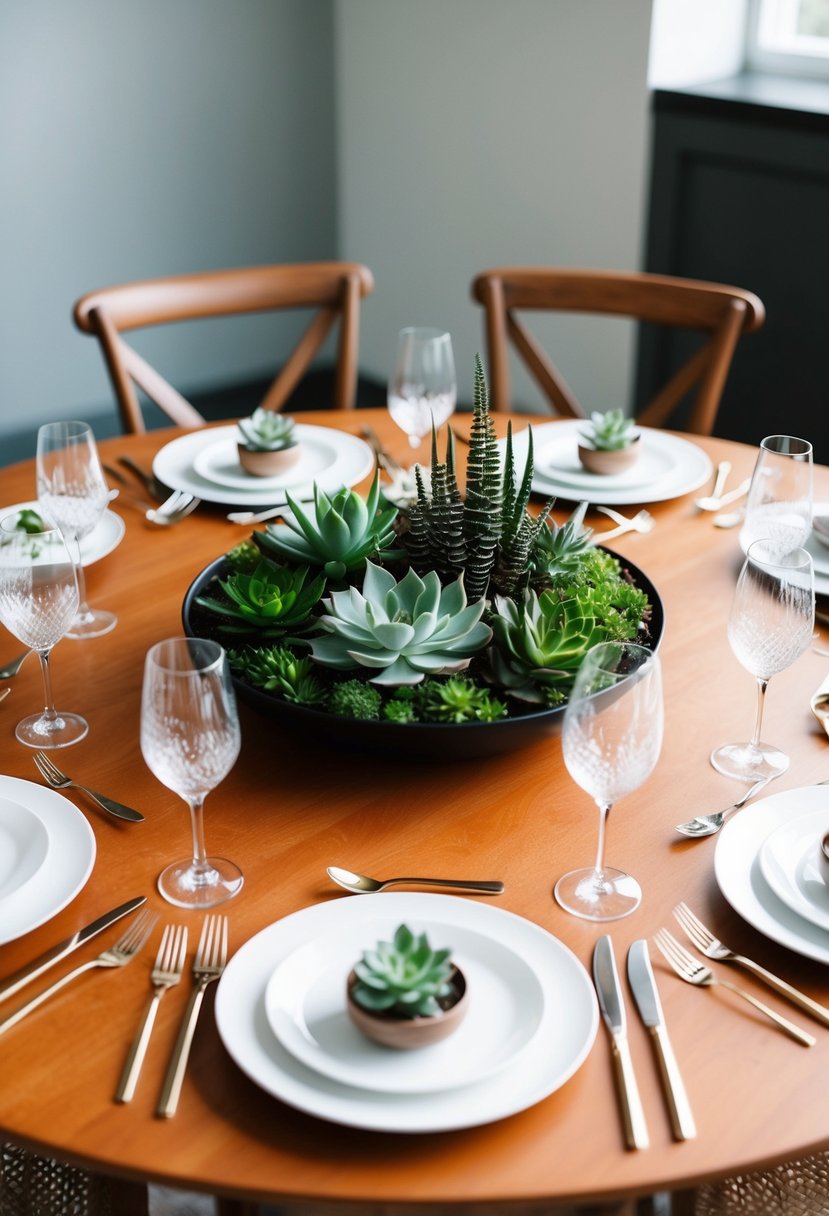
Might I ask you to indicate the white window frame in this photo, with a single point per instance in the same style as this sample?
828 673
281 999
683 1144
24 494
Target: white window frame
772 45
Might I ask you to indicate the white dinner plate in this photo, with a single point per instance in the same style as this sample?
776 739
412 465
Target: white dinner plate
673 466
200 462
819 552
544 1065
66 866
305 1006
790 861
104 537
740 877
24 845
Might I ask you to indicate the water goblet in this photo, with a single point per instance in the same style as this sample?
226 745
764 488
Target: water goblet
422 387
38 599
770 624
779 503
611 740
190 740
73 495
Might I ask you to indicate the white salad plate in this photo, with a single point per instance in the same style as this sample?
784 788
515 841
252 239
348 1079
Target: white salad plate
668 466
24 845
740 877
66 867
205 463
790 861
305 1006
104 537
538 1068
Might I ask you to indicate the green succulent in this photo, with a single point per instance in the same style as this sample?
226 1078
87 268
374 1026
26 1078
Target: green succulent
280 671
610 431
355 699
402 712
338 535
458 699
267 431
560 549
540 643
405 976
402 630
244 557
274 599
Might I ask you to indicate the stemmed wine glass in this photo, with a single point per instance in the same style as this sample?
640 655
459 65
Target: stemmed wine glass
611 740
190 739
422 387
771 622
779 504
73 495
38 599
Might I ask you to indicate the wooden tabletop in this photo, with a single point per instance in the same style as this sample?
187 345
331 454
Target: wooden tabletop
289 808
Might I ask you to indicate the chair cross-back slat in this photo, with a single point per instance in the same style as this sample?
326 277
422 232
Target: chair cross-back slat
335 288
719 313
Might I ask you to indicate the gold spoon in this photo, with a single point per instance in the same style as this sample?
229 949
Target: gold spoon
361 884
820 708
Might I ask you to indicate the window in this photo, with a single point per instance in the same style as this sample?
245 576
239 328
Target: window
789 36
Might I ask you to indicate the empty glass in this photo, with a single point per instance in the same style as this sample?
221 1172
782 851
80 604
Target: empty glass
190 739
422 387
611 740
38 599
73 494
771 622
779 504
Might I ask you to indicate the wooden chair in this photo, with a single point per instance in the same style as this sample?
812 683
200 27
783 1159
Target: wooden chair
335 288
722 313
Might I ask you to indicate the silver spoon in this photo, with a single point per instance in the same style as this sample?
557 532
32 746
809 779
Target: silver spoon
12 668
361 884
707 825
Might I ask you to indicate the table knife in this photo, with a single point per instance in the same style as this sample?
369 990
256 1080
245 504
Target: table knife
606 979
646 995
50 957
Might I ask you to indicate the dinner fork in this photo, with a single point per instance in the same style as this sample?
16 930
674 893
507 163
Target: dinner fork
693 972
53 776
166 972
642 521
117 955
208 965
175 508
712 947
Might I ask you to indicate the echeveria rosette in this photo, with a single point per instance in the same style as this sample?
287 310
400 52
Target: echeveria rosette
405 976
344 531
267 431
402 630
271 598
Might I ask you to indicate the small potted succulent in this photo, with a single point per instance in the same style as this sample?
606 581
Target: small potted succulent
611 444
267 444
404 994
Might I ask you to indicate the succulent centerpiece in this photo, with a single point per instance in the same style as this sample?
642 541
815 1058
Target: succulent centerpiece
610 444
458 609
267 443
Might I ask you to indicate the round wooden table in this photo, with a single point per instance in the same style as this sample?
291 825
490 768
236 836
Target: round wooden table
291 806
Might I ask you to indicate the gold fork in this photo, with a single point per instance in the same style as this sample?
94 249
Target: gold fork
208 965
712 947
117 955
693 972
166 972
52 775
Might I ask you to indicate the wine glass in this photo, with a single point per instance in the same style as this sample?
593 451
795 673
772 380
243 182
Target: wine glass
611 739
190 739
73 495
422 387
771 622
779 504
38 599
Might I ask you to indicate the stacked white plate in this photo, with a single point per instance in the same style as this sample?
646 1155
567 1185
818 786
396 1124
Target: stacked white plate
281 1013
766 864
206 463
667 467
47 850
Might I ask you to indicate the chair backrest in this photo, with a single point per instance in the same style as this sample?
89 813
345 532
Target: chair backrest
334 288
720 313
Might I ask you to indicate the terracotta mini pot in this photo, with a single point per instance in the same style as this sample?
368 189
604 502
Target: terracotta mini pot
267 464
596 461
391 1030
823 858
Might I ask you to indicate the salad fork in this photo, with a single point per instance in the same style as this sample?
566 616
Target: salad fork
692 971
208 965
117 955
175 508
712 947
53 777
642 522
166 972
